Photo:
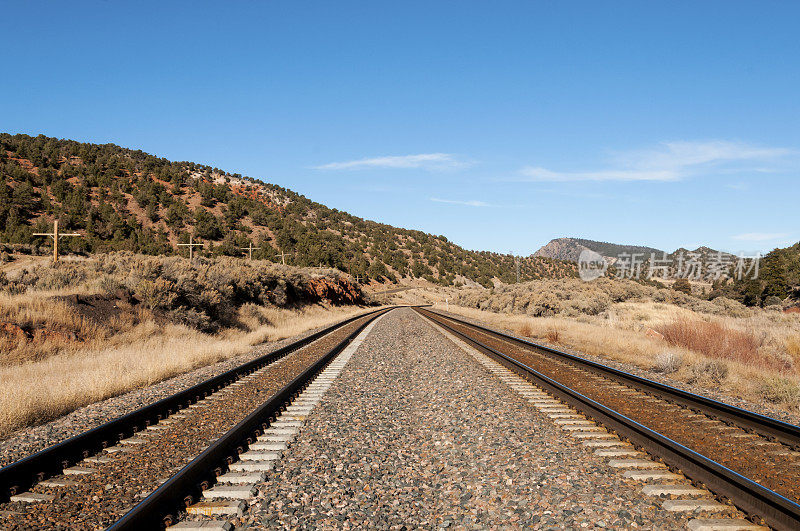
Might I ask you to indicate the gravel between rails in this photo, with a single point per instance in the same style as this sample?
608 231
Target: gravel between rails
29 440
770 464
98 499
762 408
415 433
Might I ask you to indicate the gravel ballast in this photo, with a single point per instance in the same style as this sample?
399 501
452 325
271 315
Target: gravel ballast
139 464
768 463
415 433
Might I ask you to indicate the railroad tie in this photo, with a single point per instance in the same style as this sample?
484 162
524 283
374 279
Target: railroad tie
206 525
32 497
636 465
239 486
724 524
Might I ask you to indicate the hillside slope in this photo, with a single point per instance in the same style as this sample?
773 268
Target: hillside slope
778 281
571 248
122 199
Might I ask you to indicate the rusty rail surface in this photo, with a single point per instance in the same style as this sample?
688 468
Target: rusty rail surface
778 511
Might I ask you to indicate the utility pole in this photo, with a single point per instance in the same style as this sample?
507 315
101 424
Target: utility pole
56 235
283 257
191 246
249 250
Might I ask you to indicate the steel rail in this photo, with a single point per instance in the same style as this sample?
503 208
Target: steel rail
158 509
771 428
778 511
22 474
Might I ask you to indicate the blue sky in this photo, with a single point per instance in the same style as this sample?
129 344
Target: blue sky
498 124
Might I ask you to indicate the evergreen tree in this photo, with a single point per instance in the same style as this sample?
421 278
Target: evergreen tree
682 285
206 225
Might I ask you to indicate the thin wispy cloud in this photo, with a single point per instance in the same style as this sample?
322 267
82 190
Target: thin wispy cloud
761 236
739 187
425 161
380 188
670 161
543 174
463 203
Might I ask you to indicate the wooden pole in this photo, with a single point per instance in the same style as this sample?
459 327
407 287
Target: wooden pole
55 241
56 235
249 250
191 246
283 257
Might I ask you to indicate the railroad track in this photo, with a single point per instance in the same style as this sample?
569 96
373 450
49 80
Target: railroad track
749 460
162 457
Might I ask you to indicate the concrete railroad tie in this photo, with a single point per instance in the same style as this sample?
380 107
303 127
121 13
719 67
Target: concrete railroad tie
238 486
623 455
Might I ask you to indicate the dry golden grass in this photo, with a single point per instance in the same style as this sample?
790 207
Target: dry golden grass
621 335
715 340
628 346
274 324
780 390
793 349
82 330
41 390
552 334
54 320
620 331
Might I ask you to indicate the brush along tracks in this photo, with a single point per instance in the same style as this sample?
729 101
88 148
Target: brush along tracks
750 460
73 486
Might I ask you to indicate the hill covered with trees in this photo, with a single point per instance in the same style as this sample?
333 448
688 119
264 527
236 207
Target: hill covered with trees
122 199
570 249
778 280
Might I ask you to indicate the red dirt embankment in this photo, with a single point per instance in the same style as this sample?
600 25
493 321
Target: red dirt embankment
340 291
